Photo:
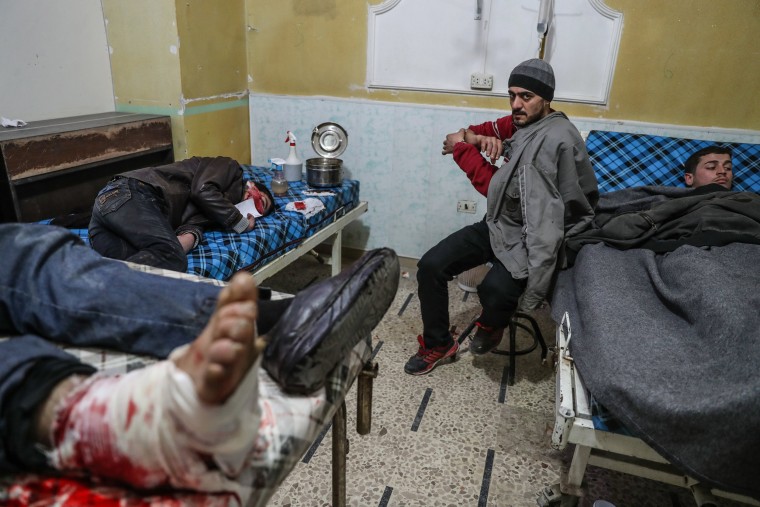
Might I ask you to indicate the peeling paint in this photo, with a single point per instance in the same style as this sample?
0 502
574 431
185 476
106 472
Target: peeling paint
211 98
110 50
173 49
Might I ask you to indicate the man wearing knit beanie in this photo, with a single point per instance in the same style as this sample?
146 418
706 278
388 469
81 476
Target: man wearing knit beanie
531 89
544 191
533 76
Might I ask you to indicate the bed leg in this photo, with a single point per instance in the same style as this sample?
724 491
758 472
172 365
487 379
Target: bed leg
703 496
572 483
339 452
337 250
364 398
552 496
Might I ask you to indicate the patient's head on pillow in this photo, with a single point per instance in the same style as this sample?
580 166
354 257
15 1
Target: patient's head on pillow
709 165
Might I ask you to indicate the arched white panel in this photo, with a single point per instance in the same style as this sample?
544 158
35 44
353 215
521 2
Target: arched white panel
435 46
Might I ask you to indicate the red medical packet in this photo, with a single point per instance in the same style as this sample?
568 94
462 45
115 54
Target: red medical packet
300 205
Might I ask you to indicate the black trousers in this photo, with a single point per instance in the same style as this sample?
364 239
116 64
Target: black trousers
465 249
129 223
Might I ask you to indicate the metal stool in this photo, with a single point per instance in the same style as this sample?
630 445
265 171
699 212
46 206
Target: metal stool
534 331
468 281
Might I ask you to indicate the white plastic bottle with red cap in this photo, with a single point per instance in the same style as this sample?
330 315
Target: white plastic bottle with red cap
293 165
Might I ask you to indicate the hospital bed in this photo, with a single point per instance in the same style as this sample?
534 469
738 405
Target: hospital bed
281 237
621 438
294 436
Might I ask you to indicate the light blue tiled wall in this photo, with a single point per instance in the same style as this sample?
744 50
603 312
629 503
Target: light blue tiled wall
394 150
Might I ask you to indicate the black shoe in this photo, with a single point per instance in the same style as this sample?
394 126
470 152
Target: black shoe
485 340
326 320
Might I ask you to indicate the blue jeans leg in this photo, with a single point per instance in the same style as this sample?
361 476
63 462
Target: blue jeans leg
53 286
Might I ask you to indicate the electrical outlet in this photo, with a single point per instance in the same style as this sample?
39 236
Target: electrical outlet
481 81
466 206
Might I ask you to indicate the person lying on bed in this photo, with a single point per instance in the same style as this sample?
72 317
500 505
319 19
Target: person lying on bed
156 215
709 166
192 421
545 191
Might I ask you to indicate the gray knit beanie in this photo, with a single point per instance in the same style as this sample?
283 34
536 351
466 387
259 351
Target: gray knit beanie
535 75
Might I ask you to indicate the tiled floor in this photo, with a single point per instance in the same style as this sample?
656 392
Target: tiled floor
458 436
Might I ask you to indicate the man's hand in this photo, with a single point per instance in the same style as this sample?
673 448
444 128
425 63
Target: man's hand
452 139
187 241
491 147
251 220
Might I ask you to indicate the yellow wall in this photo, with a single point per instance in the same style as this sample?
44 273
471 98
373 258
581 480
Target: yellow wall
683 62
186 59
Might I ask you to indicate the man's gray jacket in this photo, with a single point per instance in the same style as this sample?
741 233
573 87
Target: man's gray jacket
546 192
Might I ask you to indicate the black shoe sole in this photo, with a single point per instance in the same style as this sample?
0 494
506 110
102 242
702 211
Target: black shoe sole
482 351
307 343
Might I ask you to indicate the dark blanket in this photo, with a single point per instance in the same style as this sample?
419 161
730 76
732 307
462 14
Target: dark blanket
670 344
664 218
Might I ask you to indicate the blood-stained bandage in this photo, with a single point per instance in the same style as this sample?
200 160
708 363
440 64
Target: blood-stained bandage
149 429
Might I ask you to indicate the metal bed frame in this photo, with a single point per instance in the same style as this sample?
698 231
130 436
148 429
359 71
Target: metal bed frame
614 451
334 229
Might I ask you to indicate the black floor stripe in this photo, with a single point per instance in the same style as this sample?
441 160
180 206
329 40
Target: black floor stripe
483 499
503 387
377 349
386 497
406 303
310 453
421 411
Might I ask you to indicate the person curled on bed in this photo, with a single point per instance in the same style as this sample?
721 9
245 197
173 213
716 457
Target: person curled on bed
544 192
156 215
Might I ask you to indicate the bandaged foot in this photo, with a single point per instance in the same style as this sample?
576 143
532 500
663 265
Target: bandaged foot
188 422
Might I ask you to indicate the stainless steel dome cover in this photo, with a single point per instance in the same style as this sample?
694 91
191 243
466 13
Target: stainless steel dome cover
329 140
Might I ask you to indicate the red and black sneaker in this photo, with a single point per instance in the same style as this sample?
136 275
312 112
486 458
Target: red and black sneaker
426 359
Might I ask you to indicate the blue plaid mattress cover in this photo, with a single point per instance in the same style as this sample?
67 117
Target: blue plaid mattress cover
624 160
221 254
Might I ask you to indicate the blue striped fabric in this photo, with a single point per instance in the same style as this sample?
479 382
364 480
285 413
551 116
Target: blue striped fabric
221 254
622 160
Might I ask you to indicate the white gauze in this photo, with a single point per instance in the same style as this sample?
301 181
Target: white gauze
148 428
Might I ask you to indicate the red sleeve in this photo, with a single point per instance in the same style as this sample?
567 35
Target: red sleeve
479 170
503 128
